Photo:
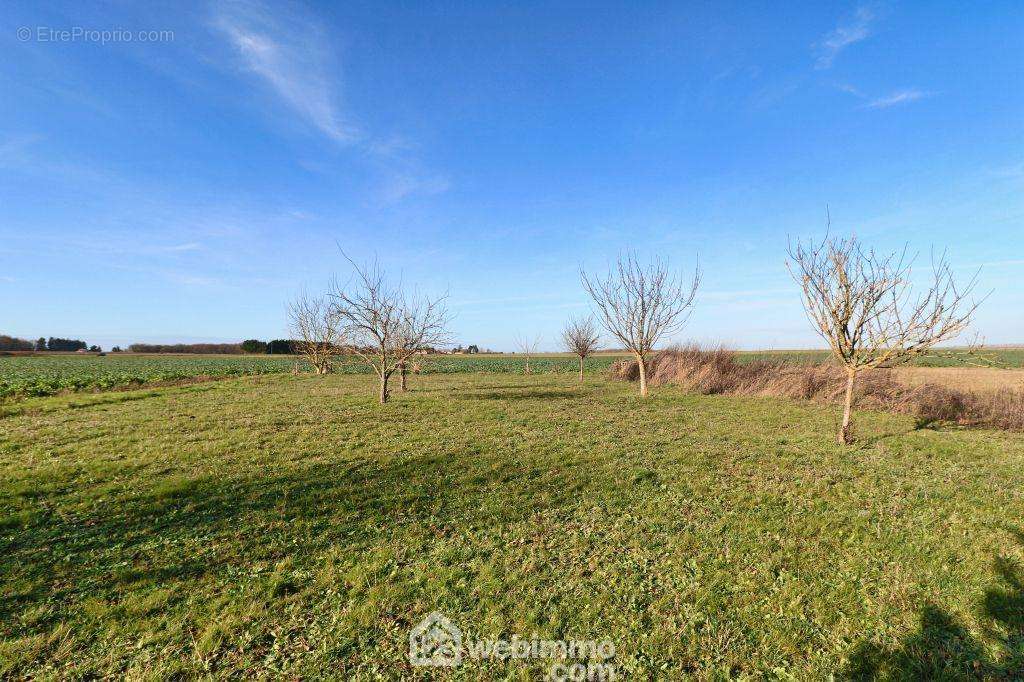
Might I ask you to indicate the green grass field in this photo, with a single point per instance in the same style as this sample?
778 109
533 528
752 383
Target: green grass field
50 375
289 527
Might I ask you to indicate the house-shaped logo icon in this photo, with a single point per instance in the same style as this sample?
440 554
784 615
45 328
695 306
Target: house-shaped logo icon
435 641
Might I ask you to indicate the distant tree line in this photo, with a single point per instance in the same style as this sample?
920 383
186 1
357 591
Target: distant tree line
280 347
8 343
273 347
12 343
205 348
66 345
251 346
254 346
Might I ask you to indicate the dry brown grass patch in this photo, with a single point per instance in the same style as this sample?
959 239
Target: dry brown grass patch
718 371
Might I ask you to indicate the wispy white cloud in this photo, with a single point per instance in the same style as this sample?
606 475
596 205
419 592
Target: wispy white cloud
390 147
903 96
851 31
290 55
192 280
400 186
851 90
899 97
771 95
178 248
203 278
403 174
113 243
13 148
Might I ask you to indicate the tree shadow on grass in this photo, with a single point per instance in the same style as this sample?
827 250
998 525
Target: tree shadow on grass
868 442
470 389
536 394
944 649
177 530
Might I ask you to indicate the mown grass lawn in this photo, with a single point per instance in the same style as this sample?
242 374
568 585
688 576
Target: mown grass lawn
287 526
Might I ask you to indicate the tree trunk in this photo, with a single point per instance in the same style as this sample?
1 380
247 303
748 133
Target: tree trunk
641 361
384 393
845 436
527 365
401 377
581 368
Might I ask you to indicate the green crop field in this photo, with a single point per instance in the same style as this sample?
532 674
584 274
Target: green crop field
49 375
289 527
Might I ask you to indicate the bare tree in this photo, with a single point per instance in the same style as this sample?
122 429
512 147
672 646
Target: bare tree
639 305
863 305
580 337
385 323
528 347
316 330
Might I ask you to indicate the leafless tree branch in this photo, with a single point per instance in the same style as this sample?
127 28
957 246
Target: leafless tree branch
316 331
581 338
528 347
864 306
641 304
385 322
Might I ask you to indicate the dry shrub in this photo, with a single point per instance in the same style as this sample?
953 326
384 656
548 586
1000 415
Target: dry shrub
930 403
717 371
625 370
704 371
1003 408
811 382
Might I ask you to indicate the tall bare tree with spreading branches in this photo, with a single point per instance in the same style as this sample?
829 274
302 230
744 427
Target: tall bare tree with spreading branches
580 337
316 331
528 346
641 304
385 323
863 305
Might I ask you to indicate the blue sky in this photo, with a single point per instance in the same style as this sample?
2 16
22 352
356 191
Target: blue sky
184 187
